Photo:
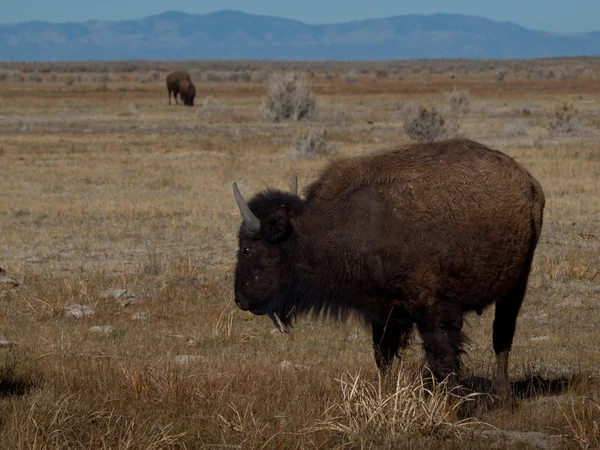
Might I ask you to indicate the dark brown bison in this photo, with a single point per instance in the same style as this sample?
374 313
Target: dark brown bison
418 235
181 83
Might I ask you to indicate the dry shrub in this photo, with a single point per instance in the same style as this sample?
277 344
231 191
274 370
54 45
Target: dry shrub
70 79
246 76
215 77
351 77
459 101
11 76
260 76
214 106
541 73
515 129
412 407
588 74
288 97
381 73
153 76
500 75
35 78
313 143
563 118
196 74
407 109
425 125
104 78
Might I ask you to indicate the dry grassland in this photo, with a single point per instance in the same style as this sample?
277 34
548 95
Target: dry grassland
103 185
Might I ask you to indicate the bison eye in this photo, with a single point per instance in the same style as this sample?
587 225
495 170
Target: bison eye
246 251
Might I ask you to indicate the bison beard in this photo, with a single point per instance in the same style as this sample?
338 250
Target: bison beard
414 236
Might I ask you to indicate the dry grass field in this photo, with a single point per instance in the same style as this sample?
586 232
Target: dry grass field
103 185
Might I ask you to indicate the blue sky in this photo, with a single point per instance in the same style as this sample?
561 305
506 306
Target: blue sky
548 15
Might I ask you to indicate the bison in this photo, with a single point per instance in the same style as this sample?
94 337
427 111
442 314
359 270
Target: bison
181 83
412 236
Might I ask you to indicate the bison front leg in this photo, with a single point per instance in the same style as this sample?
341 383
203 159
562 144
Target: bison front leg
388 339
442 342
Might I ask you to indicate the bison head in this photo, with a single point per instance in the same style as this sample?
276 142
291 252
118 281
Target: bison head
264 261
188 100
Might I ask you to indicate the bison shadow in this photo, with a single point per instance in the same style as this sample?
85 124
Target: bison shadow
528 387
13 387
484 397
12 383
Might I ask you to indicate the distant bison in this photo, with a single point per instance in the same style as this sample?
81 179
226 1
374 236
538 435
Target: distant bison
181 83
418 235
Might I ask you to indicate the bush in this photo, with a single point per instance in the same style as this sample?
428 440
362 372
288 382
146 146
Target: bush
588 74
214 106
104 78
214 77
459 101
153 76
11 76
35 78
70 79
246 76
425 125
515 129
288 97
351 77
260 76
563 118
500 75
313 143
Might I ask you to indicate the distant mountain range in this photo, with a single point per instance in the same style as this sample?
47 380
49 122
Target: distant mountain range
236 35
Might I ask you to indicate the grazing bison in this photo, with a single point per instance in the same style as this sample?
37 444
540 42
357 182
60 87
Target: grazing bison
418 235
181 83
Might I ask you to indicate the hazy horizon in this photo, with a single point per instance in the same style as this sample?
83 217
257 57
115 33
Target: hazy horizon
550 15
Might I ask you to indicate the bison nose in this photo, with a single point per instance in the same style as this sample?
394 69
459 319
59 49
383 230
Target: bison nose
241 304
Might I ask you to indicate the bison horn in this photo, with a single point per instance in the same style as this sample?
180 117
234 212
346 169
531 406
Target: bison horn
250 220
294 189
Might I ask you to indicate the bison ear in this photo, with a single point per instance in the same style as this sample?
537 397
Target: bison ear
276 227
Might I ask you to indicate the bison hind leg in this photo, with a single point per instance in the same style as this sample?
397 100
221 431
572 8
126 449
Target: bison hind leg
505 320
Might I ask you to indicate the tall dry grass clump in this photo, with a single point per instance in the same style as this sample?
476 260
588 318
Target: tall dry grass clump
288 97
411 408
583 423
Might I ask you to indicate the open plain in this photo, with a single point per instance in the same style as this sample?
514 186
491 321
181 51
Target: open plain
104 186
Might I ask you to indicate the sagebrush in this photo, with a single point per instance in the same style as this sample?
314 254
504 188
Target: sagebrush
425 125
289 97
